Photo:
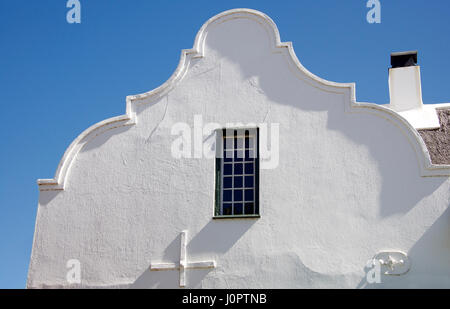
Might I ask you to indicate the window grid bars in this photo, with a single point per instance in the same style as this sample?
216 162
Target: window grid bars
232 163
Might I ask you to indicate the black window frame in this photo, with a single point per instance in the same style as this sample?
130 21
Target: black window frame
221 134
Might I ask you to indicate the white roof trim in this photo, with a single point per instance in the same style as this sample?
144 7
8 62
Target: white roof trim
423 118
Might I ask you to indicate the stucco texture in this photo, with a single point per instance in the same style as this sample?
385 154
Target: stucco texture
348 184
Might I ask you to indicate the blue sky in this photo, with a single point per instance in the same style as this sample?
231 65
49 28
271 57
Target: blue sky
57 79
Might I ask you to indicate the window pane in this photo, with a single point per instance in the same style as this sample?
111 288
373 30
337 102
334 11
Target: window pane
238 209
249 142
239 143
249 208
248 181
238 169
249 195
237 195
227 209
228 156
238 191
249 168
238 155
227 195
238 181
227 182
227 169
228 143
249 154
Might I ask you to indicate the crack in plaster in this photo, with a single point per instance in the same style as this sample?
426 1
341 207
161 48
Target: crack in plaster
159 123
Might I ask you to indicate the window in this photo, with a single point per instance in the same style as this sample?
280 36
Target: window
237 173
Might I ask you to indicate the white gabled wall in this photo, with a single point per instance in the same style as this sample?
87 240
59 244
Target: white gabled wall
347 186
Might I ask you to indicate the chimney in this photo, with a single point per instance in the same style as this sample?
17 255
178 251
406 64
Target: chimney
405 91
404 82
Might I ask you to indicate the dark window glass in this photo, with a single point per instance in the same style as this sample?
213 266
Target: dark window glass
227 209
227 195
249 195
249 168
227 182
238 182
228 169
238 195
249 208
238 209
238 169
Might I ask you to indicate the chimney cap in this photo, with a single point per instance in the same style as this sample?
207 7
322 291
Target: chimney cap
404 59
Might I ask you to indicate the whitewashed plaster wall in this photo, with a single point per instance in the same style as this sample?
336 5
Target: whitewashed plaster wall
350 181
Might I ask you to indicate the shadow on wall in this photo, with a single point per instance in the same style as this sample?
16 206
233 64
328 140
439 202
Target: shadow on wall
427 258
102 138
161 279
431 252
46 197
216 237
402 186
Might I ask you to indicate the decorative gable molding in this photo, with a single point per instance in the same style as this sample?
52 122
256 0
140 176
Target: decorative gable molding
427 168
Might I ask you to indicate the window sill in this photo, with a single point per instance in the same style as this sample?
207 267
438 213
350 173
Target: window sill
237 217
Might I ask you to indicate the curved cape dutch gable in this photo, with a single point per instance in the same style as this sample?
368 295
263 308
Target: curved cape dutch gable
427 168
347 187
